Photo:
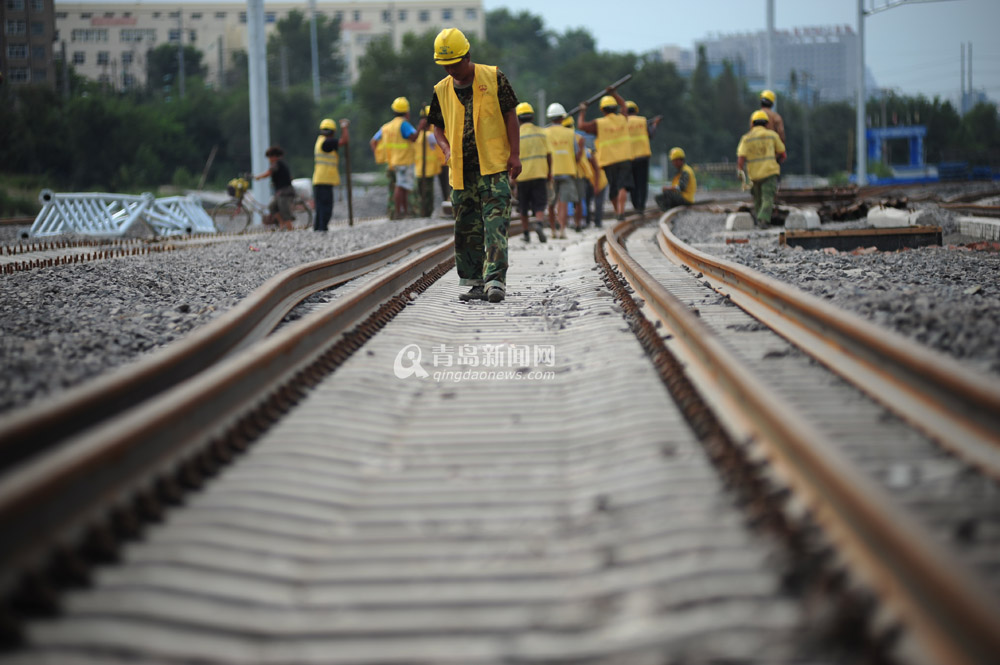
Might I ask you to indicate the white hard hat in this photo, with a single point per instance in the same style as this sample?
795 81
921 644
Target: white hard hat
555 110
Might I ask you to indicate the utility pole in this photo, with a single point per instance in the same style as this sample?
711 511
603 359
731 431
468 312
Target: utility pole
260 133
313 43
769 75
859 129
180 52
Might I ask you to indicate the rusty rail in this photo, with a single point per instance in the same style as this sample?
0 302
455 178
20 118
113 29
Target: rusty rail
939 600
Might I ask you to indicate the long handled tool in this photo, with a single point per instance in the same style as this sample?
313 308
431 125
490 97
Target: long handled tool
600 94
347 173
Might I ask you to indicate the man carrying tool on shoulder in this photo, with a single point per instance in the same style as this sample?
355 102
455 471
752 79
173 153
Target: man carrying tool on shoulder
614 152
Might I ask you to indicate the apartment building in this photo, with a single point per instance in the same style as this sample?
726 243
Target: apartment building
108 41
27 41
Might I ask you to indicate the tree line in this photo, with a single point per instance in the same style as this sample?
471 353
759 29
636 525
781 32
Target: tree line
100 139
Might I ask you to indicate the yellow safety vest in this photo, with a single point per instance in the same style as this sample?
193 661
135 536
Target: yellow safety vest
399 151
639 136
587 170
380 152
562 143
326 171
434 160
692 184
488 124
616 146
761 146
534 149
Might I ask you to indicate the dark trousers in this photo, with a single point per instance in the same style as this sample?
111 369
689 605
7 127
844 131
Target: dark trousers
670 198
445 187
640 178
323 198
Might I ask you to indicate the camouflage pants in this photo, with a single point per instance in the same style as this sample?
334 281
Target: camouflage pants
391 205
423 197
763 199
482 216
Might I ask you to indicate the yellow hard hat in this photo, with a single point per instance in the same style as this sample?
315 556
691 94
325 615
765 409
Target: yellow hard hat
608 101
676 153
450 46
758 115
768 95
524 108
401 105
328 123
632 106
567 121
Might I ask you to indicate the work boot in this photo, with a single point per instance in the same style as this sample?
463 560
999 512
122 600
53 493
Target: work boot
496 294
477 292
541 235
526 237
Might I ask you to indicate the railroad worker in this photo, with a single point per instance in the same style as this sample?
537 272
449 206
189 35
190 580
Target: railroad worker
640 131
399 136
380 158
566 147
761 151
474 118
614 152
429 159
774 121
326 172
536 171
597 184
682 187
280 207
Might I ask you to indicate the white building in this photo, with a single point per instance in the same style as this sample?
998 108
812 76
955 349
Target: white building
108 41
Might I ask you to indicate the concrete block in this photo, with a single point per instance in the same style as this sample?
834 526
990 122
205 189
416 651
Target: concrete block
739 221
802 219
887 218
986 228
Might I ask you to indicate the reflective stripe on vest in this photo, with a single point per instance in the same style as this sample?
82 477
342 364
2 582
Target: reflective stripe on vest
639 134
616 145
326 171
488 124
398 151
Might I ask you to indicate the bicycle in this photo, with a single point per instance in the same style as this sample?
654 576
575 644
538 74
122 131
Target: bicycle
235 215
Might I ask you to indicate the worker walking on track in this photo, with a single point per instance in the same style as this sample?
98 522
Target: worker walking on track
683 186
326 172
566 147
429 160
614 147
398 136
761 151
536 171
474 118
640 131
774 121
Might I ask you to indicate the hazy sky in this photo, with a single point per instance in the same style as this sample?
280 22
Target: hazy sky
914 48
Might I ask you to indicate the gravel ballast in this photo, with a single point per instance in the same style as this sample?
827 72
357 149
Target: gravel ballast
945 297
64 325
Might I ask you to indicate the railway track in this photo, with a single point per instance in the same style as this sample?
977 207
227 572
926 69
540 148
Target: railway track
562 508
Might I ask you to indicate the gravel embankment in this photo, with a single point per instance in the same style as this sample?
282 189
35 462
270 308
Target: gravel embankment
62 326
945 297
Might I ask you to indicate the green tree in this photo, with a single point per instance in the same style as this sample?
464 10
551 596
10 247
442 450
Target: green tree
291 43
162 69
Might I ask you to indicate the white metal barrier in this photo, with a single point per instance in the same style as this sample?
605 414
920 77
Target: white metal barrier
115 214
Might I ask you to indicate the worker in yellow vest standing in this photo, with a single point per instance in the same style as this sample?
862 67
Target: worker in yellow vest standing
536 171
398 137
761 151
614 152
429 160
566 148
475 121
682 187
640 131
326 172
774 120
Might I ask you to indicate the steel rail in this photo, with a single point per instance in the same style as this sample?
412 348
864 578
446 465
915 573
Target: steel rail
940 601
35 428
50 501
957 408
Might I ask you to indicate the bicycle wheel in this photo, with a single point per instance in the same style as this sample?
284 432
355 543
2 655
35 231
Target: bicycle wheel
303 213
230 217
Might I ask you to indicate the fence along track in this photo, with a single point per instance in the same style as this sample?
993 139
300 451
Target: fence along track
21 433
942 603
955 407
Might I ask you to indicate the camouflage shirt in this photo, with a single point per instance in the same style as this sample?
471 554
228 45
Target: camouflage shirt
470 154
